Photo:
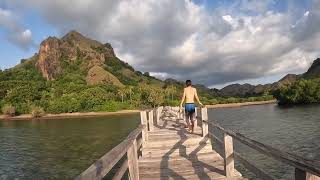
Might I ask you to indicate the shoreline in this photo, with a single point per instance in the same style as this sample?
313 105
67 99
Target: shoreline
232 105
96 114
67 115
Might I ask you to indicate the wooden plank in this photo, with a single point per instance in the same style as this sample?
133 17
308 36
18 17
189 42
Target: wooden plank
143 117
161 154
228 155
133 165
311 166
173 153
150 120
103 165
120 172
200 156
204 118
158 115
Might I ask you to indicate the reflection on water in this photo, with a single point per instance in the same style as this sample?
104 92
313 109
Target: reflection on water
58 149
295 130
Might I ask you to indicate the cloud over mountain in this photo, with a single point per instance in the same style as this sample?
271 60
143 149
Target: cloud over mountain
181 39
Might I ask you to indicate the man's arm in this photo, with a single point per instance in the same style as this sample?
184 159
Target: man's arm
196 96
183 97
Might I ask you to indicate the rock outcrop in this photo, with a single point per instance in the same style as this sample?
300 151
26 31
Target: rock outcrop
70 48
49 58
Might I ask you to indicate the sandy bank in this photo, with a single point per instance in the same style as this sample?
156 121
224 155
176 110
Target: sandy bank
67 115
241 104
93 114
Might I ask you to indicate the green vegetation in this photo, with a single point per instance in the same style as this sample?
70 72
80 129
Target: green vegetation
300 92
37 111
22 94
8 110
23 90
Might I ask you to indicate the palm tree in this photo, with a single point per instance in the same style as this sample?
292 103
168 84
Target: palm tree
170 91
167 92
122 93
130 91
173 91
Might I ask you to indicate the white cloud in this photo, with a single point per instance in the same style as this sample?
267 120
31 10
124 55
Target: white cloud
15 32
182 40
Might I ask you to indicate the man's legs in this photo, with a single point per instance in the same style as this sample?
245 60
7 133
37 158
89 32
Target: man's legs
186 114
192 119
190 116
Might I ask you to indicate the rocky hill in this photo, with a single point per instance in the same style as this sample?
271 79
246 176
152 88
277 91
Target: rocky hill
76 58
253 90
95 62
313 71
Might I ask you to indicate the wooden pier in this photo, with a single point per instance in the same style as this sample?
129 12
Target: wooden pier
162 148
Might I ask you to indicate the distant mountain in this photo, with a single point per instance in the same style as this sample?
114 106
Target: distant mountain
313 71
75 55
252 90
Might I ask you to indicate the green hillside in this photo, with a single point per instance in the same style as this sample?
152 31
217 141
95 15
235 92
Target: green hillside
75 74
78 74
306 90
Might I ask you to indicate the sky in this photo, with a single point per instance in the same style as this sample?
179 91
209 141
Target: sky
212 42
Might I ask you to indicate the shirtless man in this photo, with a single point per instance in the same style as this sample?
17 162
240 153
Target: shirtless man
189 94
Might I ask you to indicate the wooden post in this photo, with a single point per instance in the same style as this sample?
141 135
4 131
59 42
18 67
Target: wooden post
228 155
150 120
204 118
143 116
158 115
133 161
303 175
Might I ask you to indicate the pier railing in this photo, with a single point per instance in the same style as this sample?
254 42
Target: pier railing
305 169
128 149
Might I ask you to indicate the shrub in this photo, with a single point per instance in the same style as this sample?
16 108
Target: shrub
168 102
37 111
65 104
232 100
112 106
9 110
213 101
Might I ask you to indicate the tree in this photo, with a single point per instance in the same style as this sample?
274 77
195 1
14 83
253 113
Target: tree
129 90
300 92
122 93
155 96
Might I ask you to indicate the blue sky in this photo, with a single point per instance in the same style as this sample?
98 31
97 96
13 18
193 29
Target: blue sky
252 23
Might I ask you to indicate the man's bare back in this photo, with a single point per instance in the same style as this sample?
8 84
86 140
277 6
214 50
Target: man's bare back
189 94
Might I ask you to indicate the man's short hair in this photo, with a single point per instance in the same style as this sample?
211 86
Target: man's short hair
188 83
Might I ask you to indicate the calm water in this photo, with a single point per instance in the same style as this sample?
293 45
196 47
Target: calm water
295 130
61 149
58 149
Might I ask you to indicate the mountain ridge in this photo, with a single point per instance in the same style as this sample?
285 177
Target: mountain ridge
98 64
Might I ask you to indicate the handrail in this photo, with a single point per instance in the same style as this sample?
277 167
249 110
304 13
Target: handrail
129 147
310 166
103 165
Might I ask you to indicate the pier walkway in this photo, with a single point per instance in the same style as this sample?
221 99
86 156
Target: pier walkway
171 152
161 148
